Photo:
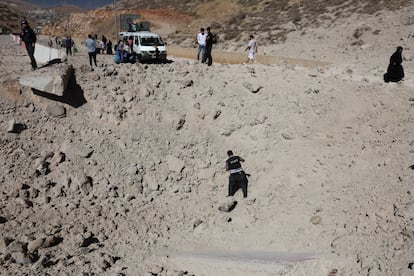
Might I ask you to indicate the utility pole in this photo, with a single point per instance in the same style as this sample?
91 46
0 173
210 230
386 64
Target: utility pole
67 15
116 24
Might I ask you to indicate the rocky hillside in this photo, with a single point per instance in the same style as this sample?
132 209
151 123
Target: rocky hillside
178 21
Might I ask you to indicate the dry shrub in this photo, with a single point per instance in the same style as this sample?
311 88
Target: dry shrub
237 18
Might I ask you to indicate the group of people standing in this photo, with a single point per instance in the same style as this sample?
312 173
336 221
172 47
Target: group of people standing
123 50
205 45
205 41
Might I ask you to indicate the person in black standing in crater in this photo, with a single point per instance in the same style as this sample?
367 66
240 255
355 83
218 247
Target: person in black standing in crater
29 38
395 71
237 178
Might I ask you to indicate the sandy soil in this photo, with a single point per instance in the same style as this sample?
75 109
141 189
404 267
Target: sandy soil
129 179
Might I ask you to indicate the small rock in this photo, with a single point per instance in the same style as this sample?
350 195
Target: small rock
122 79
150 182
228 206
20 258
197 222
315 220
227 219
136 136
4 242
180 123
15 246
188 83
175 164
2 220
15 127
252 88
75 149
57 111
187 189
287 136
217 114
35 244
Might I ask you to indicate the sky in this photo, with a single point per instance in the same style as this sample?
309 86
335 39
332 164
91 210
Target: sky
86 4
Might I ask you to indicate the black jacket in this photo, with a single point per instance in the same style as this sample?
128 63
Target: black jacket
28 35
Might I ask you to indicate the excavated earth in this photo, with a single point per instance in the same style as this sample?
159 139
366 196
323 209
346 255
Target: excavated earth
124 174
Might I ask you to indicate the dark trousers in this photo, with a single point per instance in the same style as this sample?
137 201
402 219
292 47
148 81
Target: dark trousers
68 50
30 51
237 181
208 56
92 56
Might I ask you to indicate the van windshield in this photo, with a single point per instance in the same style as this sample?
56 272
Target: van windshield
151 41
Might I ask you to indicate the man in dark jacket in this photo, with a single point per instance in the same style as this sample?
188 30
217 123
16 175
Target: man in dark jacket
29 38
69 44
209 47
237 178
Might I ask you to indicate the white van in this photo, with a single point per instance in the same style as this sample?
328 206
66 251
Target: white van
145 44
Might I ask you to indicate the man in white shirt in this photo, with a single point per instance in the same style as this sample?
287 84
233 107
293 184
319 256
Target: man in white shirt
201 40
252 48
91 47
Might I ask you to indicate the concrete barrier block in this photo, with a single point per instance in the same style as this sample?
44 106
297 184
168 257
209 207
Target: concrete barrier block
51 79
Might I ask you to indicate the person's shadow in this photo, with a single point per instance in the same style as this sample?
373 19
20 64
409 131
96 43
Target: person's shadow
73 94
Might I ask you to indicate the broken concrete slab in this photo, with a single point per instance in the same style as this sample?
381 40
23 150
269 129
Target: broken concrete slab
51 79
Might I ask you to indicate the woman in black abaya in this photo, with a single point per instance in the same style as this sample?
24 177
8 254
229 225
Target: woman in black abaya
395 71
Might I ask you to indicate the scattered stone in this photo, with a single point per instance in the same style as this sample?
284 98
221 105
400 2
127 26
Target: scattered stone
227 219
217 114
252 88
333 272
188 83
21 258
35 244
91 239
407 233
15 127
175 164
187 189
197 222
180 123
150 182
84 68
95 77
228 206
74 149
4 242
250 201
136 136
315 220
311 91
57 111
2 220
287 136
15 246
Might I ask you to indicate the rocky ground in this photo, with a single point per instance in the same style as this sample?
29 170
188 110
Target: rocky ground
126 171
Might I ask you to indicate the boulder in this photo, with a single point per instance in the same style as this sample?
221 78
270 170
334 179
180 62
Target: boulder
51 79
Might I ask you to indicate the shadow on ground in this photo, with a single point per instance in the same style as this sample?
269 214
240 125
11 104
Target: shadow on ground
73 95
